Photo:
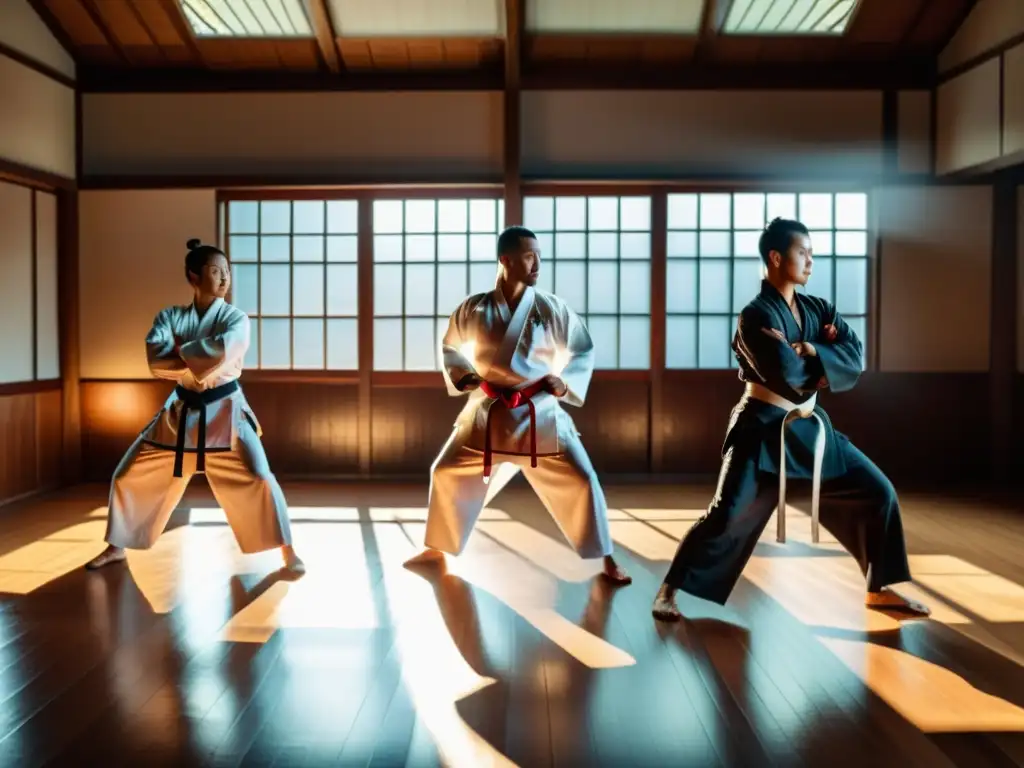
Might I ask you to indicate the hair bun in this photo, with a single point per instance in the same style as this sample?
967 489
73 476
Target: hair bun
194 243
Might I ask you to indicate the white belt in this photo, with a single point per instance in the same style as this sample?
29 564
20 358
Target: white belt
794 411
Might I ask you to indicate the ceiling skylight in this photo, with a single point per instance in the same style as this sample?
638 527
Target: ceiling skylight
418 18
789 17
247 18
610 17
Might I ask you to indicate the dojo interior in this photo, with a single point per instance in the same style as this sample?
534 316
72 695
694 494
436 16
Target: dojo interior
356 159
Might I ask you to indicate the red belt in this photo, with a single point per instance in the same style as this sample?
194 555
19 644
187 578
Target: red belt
511 398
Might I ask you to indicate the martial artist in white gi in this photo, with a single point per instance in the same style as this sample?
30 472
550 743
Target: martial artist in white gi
206 425
519 352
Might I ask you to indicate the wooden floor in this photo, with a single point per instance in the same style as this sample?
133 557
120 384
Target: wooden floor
196 655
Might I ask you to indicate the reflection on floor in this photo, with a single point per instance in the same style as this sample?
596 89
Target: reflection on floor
514 654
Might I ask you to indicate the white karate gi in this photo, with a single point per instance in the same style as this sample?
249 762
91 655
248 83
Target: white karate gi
144 491
544 336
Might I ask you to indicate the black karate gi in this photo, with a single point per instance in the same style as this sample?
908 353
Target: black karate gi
858 504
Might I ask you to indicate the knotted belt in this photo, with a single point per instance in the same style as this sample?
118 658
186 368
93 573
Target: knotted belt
511 399
794 411
197 401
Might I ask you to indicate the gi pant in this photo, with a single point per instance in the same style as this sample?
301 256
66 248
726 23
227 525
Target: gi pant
859 508
566 484
144 493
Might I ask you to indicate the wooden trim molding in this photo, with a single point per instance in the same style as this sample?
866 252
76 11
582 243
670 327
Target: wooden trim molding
37 66
561 76
27 387
1003 350
69 330
33 177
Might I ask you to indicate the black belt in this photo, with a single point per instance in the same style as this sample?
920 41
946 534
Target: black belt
197 401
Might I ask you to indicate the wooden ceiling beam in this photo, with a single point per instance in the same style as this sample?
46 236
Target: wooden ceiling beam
711 21
326 37
915 74
177 17
91 8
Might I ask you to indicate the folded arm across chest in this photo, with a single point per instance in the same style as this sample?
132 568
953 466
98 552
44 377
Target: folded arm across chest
161 351
778 365
840 351
208 356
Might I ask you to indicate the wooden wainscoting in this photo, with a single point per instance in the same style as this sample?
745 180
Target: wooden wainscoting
915 426
30 441
409 426
308 428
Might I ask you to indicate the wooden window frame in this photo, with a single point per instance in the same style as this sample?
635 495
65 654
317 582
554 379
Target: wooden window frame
796 189
366 195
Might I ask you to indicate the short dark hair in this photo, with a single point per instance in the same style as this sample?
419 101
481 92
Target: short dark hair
509 240
778 236
197 256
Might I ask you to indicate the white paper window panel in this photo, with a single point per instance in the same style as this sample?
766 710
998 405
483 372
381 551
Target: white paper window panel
308 343
580 214
275 343
16 296
47 302
484 216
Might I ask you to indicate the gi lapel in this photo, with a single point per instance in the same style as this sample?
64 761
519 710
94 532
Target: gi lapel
506 356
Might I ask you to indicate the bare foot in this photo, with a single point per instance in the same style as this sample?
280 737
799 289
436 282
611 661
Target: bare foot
427 557
614 573
665 605
292 561
893 601
108 556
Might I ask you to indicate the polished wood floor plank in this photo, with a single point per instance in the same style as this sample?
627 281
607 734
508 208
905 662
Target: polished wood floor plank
515 654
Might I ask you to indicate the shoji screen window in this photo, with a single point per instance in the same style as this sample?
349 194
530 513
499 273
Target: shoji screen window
714 268
294 274
29 348
428 255
596 255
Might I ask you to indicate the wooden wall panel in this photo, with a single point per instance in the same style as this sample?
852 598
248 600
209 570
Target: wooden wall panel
49 431
893 417
408 426
614 425
30 443
308 429
328 135
23 30
311 430
637 134
919 426
37 120
113 414
1018 421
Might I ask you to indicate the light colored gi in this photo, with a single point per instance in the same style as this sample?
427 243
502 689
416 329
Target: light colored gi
544 336
144 491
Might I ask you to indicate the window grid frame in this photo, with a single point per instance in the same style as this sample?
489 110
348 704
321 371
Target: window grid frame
586 195
225 200
731 259
655 191
404 316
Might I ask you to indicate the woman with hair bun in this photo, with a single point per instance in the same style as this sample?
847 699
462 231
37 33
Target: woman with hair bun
206 426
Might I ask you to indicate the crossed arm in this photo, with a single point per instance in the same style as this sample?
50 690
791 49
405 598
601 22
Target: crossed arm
169 358
793 369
